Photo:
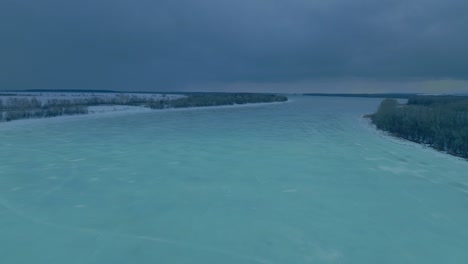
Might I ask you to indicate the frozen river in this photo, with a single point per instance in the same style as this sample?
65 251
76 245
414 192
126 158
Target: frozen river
308 181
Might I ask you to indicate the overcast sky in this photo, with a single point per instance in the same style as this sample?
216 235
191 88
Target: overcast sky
235 45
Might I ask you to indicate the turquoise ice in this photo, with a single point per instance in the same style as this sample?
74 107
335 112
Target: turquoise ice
308 181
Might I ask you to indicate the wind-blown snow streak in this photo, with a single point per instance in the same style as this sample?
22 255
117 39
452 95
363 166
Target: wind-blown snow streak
159 240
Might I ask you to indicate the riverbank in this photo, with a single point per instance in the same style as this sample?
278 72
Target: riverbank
120 110
33 106
439 122
367 124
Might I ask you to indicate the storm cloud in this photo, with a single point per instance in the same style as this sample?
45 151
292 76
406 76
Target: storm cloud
186 44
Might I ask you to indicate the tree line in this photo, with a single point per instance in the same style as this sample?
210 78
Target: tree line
200 100
21 108
365 95
440 122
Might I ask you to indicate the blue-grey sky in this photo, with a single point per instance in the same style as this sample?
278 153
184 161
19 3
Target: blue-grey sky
242 45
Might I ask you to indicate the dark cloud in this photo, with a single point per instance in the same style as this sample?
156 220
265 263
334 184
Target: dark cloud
172 45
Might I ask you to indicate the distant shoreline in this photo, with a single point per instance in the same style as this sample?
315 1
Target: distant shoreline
365 95
122 110
130 110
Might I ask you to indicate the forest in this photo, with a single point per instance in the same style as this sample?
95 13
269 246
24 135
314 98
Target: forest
440 122
14 108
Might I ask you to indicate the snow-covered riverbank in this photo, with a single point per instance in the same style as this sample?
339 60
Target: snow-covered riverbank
102 111
43 97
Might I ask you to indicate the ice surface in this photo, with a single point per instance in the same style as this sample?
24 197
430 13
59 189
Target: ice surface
302 182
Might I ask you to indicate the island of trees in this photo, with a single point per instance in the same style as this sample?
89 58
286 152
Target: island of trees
440 122
20 108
